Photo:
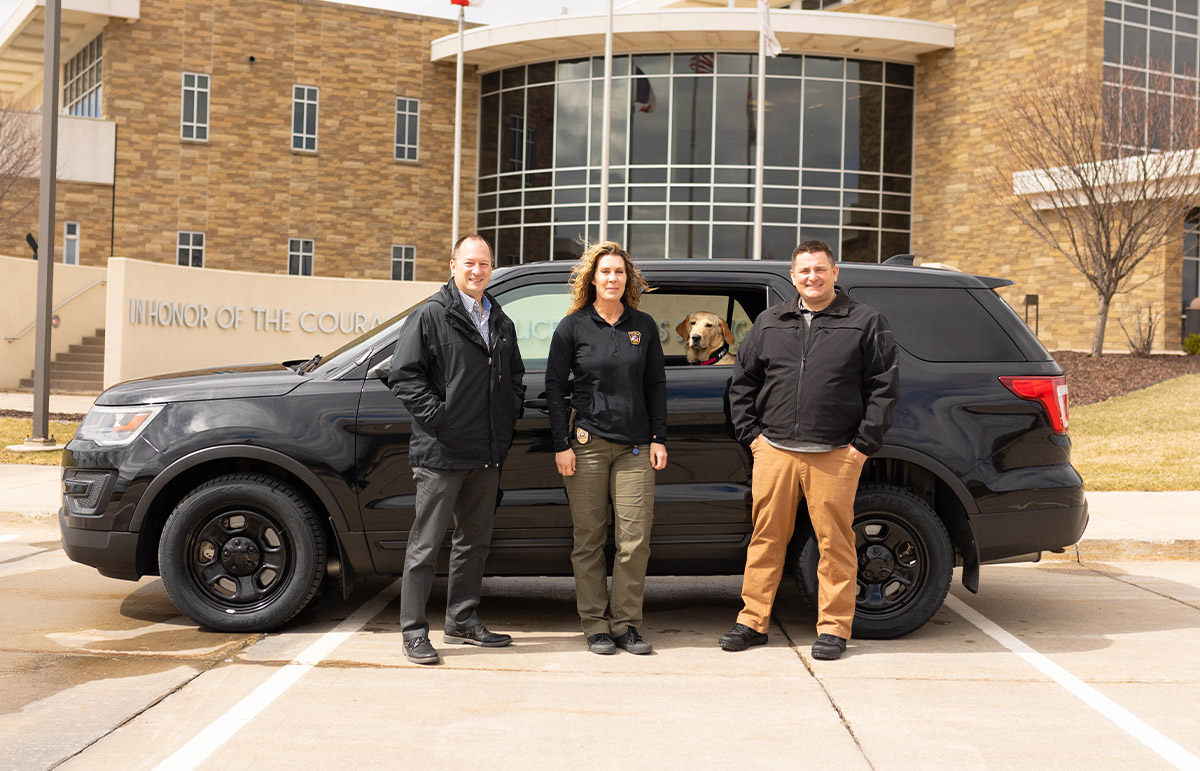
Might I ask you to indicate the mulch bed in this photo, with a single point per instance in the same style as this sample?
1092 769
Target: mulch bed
65 417
1093 380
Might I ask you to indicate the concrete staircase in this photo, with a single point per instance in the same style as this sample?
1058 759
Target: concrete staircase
80 370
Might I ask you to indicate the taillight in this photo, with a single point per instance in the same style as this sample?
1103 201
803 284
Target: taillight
1051 391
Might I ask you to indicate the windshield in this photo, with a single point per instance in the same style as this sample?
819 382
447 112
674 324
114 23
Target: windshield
375 338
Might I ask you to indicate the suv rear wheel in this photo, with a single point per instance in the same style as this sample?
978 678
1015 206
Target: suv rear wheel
242 553
905 562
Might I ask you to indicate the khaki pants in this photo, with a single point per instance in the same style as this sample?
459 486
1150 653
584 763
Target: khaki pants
607 472
828 480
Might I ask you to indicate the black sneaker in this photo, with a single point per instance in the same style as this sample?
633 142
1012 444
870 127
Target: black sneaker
602 643
420 651
741 637
828 647
632 641
476 635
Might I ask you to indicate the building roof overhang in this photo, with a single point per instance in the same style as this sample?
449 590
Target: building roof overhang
729 29
22 35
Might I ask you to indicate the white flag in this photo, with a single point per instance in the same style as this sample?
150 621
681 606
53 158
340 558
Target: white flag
764 24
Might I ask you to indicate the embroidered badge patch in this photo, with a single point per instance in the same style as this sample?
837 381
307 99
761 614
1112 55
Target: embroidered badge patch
582 435
635 338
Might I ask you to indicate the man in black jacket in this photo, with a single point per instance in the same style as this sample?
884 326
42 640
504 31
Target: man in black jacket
458 371
812 393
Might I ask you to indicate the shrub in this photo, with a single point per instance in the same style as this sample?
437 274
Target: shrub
1141 329
1191 344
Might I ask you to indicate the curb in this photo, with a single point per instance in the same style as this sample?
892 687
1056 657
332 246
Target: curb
1127 550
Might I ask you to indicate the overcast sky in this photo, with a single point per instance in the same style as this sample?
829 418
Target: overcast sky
491 12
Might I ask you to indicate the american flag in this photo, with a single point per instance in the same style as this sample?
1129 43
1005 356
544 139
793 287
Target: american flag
702 63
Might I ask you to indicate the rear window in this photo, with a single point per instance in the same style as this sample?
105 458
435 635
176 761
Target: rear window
940 324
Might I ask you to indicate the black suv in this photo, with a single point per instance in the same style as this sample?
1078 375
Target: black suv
246 487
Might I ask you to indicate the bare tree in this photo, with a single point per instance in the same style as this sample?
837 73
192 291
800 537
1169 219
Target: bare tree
20 148
1103 172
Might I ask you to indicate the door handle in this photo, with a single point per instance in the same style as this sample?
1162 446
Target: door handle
537 404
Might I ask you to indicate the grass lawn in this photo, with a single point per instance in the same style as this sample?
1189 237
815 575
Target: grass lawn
1144 440
15 431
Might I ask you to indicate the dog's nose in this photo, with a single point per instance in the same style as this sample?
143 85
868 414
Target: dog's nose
695 339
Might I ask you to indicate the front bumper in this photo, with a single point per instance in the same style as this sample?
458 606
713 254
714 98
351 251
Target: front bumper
114 554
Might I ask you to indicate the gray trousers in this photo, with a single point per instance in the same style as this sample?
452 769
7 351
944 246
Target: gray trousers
610 480
468 498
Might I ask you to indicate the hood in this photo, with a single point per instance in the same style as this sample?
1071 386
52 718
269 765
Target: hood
197 385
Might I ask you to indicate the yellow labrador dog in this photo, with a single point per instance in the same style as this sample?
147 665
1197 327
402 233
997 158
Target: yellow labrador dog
706 338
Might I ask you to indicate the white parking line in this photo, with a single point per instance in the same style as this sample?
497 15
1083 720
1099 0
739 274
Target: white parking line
8 537
1123 718
205 743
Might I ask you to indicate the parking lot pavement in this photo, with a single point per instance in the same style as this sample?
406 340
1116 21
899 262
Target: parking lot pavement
97 673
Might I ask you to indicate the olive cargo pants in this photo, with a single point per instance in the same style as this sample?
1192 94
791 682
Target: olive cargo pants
607 472
828 480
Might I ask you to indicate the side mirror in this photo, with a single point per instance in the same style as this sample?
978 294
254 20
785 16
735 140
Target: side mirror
381 370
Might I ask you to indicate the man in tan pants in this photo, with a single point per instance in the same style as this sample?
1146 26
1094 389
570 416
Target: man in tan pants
812 393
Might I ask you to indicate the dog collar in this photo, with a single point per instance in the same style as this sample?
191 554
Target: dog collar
717 355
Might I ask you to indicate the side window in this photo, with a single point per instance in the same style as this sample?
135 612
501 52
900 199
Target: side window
535 310
708 306
940 323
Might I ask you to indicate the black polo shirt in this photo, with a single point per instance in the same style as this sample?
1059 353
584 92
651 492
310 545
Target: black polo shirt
619 386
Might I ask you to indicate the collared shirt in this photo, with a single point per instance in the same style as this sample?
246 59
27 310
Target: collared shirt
807 315
480 313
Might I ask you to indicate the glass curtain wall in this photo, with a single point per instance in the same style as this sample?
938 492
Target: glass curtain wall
838 156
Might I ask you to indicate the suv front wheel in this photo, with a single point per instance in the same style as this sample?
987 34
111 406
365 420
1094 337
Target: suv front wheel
242 553
905 562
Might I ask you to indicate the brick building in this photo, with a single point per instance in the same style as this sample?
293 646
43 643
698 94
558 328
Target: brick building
265 135
880 131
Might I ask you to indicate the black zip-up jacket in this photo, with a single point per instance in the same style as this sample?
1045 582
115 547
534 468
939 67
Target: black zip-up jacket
834 383
619 391
464 394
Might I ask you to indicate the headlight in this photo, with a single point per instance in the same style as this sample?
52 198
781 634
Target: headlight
116 426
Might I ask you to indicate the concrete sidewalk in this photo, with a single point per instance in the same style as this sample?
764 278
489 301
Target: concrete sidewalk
1123 525
70 404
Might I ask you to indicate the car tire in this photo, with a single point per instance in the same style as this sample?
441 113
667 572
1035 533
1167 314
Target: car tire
905 562
242 553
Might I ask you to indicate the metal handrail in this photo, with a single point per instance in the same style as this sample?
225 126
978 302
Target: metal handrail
33 324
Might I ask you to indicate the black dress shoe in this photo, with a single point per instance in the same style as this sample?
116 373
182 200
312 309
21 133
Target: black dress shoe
631 641
828 647
741 637
601 643
420 651
477 635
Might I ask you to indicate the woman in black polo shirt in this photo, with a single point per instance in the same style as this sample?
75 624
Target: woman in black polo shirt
617 441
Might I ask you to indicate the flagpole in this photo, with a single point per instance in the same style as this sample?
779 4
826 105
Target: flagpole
458 100
760 133
606 124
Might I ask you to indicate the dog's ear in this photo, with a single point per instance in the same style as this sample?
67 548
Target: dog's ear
682 329
725 331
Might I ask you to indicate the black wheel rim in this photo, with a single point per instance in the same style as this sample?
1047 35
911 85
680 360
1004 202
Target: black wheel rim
893 565
239 559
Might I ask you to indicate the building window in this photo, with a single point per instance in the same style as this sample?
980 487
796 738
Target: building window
190 249
193 122
71 243
304 118
300 256
404 262
839 150
407 119
1191 258
83 81
1150 61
